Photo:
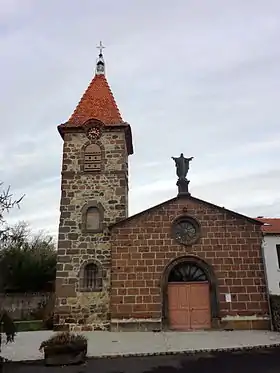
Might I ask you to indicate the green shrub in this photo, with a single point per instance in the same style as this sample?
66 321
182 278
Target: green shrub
27 261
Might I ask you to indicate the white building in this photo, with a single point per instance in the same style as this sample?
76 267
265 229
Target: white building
271 252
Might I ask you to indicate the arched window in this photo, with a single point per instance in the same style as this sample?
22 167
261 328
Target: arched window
186 272
91 277
92 217
92 158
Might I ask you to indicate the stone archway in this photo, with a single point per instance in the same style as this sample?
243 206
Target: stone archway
192 279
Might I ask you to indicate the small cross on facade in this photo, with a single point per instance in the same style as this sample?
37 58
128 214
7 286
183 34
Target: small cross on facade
100 47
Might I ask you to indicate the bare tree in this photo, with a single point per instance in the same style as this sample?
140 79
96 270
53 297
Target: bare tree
7 202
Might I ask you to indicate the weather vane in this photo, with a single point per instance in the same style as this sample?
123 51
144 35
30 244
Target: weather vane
100 47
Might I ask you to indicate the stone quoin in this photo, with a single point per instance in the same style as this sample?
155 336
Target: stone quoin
184 264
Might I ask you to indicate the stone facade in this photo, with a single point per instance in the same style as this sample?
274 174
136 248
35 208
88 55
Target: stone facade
113 271
143 247
77 309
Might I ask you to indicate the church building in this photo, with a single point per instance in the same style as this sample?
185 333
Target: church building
184 264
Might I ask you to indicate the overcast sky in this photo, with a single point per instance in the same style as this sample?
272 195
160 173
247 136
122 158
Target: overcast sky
195 76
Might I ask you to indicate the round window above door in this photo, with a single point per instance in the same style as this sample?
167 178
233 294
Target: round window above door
186 230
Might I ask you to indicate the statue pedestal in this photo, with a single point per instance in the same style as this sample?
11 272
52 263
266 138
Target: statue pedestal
183 187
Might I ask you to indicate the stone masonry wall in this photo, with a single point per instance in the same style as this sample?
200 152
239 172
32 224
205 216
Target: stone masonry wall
23 306
75 309
143 246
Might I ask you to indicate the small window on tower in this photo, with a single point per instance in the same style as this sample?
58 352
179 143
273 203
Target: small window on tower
92 217
92 158
91 277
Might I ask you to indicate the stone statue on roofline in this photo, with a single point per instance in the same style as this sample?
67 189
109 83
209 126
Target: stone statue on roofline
182 167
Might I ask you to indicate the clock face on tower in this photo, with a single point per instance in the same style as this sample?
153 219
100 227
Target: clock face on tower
94 133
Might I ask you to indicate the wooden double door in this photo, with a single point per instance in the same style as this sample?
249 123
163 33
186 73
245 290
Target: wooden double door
189 305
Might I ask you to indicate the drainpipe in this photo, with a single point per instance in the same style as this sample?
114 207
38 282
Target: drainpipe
266 284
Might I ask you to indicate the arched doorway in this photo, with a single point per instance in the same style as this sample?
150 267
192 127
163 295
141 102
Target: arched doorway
189 295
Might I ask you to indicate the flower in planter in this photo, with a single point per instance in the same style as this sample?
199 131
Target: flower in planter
66 339
64 349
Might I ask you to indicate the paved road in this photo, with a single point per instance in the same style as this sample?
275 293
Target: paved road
26 346
261 361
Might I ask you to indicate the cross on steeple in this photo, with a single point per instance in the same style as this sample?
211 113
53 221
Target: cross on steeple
100 65
100 47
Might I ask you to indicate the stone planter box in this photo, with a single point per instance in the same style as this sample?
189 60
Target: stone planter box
65 355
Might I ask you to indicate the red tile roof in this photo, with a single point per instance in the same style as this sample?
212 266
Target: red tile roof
271 225
97 102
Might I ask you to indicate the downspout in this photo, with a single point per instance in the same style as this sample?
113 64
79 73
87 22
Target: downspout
266 284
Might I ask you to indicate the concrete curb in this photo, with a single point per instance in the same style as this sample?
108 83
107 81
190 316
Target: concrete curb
188 352
166 353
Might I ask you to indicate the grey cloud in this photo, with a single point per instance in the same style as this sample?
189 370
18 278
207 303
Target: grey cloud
252 195
191 78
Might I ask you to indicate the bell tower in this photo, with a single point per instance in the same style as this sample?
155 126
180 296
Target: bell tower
94 194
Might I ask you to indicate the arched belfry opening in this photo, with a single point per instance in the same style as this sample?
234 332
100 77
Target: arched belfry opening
189 295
